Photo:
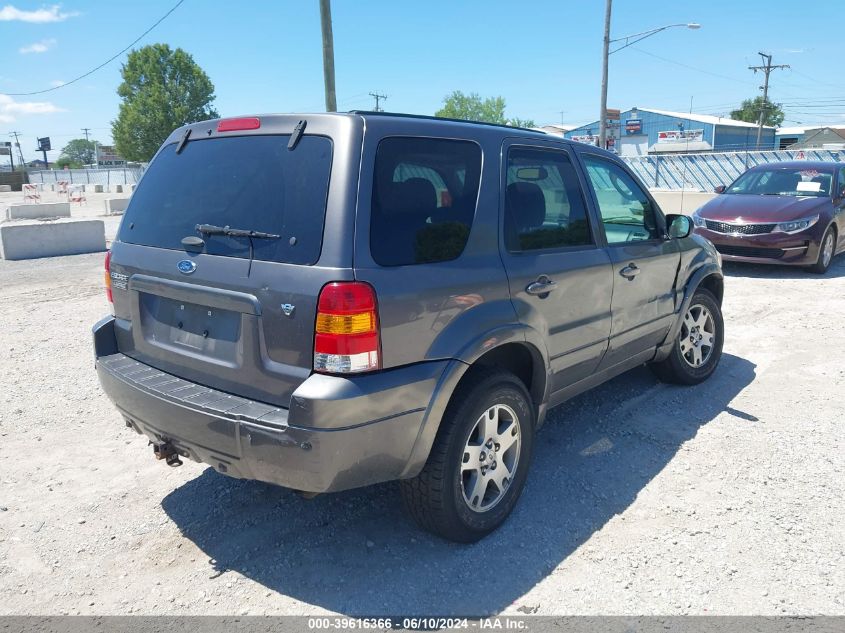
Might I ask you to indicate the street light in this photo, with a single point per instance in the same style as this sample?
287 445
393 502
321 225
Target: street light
606 52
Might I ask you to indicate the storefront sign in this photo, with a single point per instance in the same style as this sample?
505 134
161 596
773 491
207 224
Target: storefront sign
633 126
680 136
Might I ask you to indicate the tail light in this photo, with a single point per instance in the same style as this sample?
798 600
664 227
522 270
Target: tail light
346 338
108 277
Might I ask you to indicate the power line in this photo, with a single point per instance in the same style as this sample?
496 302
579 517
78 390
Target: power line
18 145
767 68
105 63
378 97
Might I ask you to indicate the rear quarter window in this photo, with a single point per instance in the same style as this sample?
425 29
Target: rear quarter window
424 197
244 182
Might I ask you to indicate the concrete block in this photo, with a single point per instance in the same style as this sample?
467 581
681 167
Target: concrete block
117 188
5 188
98 188
32 239
43 210
115 206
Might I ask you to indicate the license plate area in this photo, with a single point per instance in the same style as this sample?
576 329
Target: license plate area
194 328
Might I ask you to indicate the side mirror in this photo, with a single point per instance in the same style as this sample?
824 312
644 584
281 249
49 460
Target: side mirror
680 226
719 189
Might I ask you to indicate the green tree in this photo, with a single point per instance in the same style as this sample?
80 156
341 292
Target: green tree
64 161
471 107
749 111
162 89
517 122
79 151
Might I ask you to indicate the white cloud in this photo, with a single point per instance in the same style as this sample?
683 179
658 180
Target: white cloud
38 47
11 13
9 108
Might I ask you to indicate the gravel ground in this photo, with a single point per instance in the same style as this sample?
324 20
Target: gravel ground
643 498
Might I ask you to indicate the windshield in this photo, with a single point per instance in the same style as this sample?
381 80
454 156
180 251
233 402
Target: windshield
252 183
782 181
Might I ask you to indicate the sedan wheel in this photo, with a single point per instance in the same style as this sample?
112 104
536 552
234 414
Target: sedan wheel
826 251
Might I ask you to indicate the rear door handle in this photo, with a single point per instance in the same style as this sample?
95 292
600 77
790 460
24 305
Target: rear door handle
541 287
630 271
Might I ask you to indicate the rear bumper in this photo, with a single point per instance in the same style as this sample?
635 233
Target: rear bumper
339 433
770 248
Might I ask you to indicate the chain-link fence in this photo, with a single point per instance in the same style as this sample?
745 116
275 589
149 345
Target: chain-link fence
107 177
703 172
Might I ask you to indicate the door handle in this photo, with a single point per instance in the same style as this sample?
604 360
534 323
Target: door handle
630 271
542 287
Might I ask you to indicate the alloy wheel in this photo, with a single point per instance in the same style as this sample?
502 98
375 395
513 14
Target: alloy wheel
827 250
698 336
490 458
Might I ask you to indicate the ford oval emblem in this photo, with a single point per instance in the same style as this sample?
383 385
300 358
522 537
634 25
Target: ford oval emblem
186 266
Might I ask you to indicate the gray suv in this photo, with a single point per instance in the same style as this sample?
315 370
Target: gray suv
328 301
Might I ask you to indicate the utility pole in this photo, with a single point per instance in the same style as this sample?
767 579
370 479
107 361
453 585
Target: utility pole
328 54
85 131
378 97
18 145
766 68
605 54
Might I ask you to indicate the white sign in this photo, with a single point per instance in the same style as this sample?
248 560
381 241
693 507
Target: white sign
680 136
587 138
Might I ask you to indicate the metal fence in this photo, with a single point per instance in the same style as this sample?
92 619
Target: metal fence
119 176
703 172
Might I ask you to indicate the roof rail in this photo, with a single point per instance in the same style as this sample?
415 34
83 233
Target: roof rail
426 117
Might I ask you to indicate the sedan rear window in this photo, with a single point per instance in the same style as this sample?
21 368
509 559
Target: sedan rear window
243 182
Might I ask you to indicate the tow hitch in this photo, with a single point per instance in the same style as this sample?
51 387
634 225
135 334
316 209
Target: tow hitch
166 452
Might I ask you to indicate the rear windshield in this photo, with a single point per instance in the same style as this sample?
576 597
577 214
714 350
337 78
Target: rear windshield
244 182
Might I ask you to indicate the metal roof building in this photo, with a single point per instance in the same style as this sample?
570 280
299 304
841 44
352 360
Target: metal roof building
642 131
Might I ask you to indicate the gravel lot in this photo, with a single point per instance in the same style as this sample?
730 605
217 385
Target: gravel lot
643 498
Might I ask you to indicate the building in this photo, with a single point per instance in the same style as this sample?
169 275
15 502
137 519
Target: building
555 128
826 137
641 131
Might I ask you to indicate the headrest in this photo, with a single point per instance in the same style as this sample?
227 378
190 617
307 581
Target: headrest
527 204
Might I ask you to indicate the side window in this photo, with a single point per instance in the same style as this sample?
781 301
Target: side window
544 207
424 196
841 185
626 211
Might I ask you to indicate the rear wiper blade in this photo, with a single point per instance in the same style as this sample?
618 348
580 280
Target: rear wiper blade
211 229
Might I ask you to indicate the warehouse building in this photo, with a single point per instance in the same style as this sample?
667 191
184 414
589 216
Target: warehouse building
641 131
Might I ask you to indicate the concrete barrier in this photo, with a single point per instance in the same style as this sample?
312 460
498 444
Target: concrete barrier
33 211
5 188
115 206
31 239
681 202
117 188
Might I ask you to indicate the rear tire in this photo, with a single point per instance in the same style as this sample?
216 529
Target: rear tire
698 346
827 248
479 461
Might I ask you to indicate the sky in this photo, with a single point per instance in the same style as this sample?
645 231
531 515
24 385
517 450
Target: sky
543 57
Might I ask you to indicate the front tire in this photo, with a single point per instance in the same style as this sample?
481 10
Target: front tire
827 248
479 461
698 347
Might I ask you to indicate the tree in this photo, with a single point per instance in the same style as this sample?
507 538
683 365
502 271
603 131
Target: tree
749 111
162 89
517 122
472 108
79 151
64 161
